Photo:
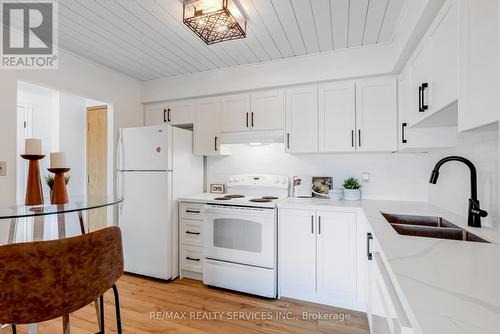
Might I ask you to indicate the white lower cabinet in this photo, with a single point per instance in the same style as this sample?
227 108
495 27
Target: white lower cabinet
384 309
190 236
318 257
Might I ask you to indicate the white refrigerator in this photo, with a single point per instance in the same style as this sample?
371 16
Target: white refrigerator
155 166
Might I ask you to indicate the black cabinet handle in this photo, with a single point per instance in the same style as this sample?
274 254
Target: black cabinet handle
252 119
192 259
352 138
369 237
359 138
420 99
193 211
194 233
425 107
312 224
288 140
403 133
215 141
319 225
247 120
168 115
164 115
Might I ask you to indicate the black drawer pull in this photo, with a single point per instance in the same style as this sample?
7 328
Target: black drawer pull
369 254
195 233
193 211
192 259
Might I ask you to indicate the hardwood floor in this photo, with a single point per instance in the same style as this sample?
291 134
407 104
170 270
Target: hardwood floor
146 305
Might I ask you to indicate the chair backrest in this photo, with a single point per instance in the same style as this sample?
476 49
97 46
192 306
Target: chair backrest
44 280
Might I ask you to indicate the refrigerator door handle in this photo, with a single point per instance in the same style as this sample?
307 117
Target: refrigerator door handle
119 151
119 190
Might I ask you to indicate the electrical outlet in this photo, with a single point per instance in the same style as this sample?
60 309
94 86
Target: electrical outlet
3 168
365 177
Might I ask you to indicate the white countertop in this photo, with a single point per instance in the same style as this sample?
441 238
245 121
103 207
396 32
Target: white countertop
448 286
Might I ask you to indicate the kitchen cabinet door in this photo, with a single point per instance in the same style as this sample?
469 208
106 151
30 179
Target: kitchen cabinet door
235 113
418 67
337 117
297 253
301 105
206 127
479 64
268 111
418 139
443 58
180 113
376 115
155 115
337 260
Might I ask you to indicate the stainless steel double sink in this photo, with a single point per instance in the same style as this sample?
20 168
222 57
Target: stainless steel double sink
430 227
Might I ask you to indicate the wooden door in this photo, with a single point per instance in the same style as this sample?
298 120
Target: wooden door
97 161
337 117
337 258
302 119
298 253
206 127
376 115
268 111
235 113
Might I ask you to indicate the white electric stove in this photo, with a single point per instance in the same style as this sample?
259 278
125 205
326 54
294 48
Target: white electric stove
240 234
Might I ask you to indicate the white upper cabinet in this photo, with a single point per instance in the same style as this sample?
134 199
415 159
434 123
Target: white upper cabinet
443 58
376 115
418 139
174 113
235 113
337 117
479 64
267 111
206 127
419 82
301 105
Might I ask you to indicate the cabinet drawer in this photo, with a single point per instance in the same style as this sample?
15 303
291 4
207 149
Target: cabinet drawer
191 258
191 211
191 232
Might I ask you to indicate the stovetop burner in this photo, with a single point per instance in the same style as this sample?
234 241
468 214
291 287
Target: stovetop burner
261 200
269 197
222 198
234 196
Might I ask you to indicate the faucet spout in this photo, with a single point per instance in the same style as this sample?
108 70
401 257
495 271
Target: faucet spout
475 212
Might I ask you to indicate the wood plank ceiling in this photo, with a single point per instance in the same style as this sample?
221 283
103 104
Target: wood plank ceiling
146 39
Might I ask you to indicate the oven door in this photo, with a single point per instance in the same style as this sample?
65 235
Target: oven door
240 235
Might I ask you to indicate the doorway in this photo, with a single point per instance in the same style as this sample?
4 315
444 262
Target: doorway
97 161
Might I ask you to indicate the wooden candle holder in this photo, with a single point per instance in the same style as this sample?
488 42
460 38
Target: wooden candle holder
34 193
59 191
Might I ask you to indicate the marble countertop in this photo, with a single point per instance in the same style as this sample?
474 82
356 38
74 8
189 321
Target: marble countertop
446 286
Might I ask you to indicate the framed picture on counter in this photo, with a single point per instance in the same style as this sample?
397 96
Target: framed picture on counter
218 188
321 186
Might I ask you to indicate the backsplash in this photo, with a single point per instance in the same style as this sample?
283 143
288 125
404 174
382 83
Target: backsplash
394 176
453 188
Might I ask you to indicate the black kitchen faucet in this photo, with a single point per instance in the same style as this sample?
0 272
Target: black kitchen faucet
475 212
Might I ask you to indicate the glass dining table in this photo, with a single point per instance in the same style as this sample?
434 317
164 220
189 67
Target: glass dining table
23 224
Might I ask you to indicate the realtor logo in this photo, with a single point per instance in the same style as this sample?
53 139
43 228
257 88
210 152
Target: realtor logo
29 35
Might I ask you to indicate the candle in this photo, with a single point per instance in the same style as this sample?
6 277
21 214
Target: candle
57 160
33 146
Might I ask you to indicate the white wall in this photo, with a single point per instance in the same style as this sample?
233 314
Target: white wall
453 188
76 76
394 176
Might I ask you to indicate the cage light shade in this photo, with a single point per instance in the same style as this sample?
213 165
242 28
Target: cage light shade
214 21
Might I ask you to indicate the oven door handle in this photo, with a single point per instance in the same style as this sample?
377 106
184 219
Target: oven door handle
235 209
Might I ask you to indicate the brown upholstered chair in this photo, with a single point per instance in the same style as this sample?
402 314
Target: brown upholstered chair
45 280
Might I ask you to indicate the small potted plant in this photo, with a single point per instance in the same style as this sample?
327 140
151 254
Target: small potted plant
352 190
